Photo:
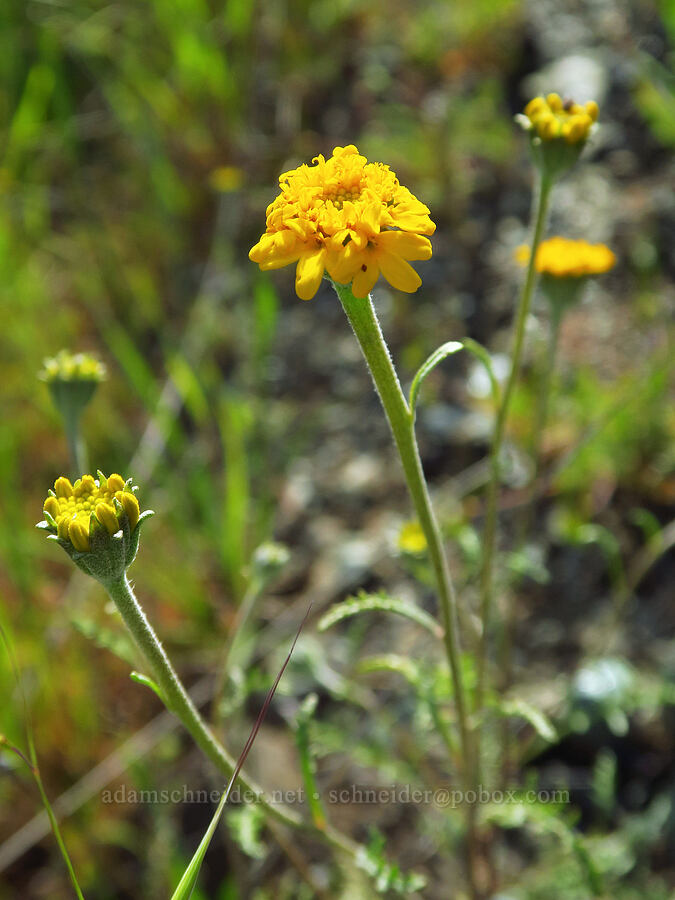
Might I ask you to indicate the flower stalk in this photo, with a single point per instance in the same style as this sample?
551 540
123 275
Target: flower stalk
174 694
363 319
178 702
490 529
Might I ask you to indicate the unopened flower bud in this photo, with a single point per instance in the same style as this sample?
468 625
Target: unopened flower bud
97 522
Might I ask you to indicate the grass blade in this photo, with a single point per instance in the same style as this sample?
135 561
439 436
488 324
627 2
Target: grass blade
189 879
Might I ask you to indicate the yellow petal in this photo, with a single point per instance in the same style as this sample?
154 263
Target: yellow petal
592 109
63 487
62 528
402 243
78 533
278 262
309 273
371 216
52 507
107 517
365 279
115 483
84 485
399 273
130 505
534 107
344 262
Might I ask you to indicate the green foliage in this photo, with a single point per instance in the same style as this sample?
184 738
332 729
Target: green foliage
121 234
386 877
377 602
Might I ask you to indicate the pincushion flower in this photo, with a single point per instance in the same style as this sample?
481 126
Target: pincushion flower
96 521
560 257
558 131
71 367
349 218
551 118
72 379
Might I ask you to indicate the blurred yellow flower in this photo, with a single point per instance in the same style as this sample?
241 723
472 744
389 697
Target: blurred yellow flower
411 539
348 217
553 118
563 258
226 178
69 507
66 366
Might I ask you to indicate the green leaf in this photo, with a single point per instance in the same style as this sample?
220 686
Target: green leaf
112 639
246 824
391 662
189 879
387 877
383 603
447 349
139 678
538 720
429 365
303 739
483 356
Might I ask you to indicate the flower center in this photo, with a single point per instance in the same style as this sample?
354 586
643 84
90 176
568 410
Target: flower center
339 194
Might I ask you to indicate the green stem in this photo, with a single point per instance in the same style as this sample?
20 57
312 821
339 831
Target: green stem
52 819
237 633
364 322
179 703
487 573
541 417
76 446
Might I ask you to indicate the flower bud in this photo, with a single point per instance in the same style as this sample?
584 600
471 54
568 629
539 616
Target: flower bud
72 380
97 522
558 131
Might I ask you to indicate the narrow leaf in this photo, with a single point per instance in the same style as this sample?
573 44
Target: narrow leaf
483 356
189 879
381 602
139 678
538 720
429 365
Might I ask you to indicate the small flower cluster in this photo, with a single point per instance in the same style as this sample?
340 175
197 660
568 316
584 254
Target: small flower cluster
97 522
67 366
560 257
74 511
552 118
348 217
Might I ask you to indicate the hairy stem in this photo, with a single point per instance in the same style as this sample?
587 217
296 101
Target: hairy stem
364 322
179 703
490 530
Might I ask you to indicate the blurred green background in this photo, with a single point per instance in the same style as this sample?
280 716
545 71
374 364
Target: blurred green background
140 142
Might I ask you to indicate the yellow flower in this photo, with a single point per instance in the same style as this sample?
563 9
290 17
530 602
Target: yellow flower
226 178
563 258
552 118
69 508
347 217
411 539
67 366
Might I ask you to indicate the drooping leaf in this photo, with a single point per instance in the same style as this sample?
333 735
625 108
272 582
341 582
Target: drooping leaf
364 602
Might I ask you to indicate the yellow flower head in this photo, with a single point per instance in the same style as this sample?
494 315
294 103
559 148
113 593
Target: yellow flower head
552 118
67 366
348 217
411 539
562 258
75 511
